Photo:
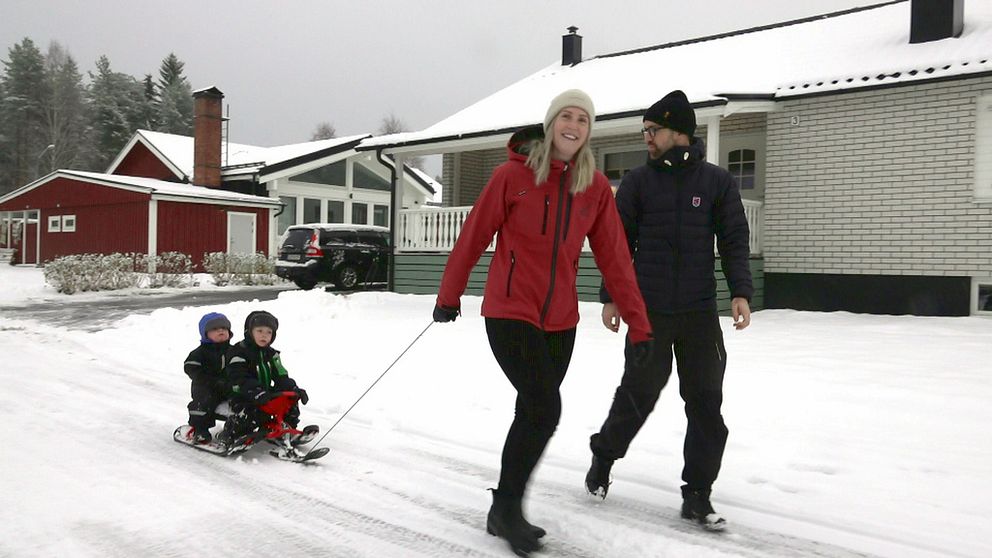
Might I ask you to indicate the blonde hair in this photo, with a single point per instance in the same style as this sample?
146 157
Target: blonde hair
539 160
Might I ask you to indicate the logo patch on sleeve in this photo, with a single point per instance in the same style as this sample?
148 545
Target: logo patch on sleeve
696 201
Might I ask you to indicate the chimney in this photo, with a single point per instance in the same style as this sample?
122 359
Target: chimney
207 124
571 47
933 20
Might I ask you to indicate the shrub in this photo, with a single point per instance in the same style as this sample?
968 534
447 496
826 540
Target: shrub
240 269
98 272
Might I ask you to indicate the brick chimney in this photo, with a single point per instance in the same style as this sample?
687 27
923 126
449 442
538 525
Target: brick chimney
207 124
571 47
933 20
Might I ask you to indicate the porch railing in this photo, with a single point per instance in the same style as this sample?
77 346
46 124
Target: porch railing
437 229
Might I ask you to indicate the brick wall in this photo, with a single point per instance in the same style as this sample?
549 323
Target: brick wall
878 182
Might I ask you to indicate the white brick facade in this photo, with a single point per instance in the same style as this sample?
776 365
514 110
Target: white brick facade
878 182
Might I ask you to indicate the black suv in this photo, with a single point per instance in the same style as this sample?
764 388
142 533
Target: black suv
349 256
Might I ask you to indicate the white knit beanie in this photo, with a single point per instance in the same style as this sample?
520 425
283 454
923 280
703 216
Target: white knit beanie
570 98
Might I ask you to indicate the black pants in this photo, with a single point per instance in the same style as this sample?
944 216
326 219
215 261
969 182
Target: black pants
535 362
701 359
205 397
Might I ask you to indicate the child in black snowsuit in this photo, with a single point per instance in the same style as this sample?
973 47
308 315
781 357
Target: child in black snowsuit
205 367
256 374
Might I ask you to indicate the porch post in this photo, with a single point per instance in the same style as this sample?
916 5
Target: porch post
152 234
713 140
394 209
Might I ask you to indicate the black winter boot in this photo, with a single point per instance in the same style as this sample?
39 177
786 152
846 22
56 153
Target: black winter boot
598 478
506 521
696 507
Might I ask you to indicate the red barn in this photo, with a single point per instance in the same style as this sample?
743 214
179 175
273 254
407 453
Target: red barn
76 212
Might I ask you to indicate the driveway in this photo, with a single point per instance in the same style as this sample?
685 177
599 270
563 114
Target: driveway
80 314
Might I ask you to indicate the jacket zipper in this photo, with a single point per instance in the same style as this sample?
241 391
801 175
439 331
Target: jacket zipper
509 278
547 209
554 248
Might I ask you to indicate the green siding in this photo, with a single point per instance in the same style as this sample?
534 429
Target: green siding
421 274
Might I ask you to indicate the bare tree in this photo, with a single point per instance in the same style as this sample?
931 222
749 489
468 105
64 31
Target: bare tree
324 130
391 124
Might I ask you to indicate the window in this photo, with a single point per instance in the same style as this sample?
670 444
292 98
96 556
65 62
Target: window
335 211
380 215
360 213
332 174
741 164
364 178
983 148
68 223
311 210
615 165
54 223
982 296
288 216
338 237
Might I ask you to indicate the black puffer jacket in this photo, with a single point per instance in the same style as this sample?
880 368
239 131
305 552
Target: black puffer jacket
671 208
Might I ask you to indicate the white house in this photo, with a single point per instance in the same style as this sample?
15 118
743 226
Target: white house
862 141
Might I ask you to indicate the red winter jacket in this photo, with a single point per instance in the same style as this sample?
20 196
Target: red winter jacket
542 228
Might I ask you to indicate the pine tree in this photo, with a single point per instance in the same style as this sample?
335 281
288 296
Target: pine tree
174 111
21 118
115 105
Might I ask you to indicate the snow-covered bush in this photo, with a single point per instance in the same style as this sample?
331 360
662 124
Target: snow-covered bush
172 269
240 269
99 272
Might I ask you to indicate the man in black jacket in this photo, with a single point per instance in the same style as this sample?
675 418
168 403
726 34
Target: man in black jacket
671 209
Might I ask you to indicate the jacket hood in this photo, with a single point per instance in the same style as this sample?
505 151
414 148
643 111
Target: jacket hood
522 140
260 318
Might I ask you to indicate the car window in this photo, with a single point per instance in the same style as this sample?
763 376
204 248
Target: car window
374 238
296 239
338 237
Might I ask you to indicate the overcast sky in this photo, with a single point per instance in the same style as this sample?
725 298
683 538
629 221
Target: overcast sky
284 66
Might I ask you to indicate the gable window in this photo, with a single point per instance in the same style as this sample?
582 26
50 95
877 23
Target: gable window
54 223
983 148
741 164
615 165
332 174
365 178
68 223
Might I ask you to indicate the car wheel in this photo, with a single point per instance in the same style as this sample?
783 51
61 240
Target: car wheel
347 277
305 284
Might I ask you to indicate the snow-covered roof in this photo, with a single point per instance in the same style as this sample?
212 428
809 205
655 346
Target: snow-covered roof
178 150
846 50
157 188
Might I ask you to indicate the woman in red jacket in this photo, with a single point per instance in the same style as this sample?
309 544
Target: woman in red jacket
542 203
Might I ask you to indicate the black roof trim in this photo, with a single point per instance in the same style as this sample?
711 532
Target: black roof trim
747 96
302 159
955 77
510 130
750 30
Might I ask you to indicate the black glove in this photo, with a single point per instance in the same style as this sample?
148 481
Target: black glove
445 314
303 395
262 397
640 353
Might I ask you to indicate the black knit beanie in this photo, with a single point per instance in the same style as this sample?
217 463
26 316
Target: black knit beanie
674 112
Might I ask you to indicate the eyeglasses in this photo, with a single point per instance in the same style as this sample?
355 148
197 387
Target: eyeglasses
650 131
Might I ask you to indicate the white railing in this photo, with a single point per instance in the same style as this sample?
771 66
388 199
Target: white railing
437 229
